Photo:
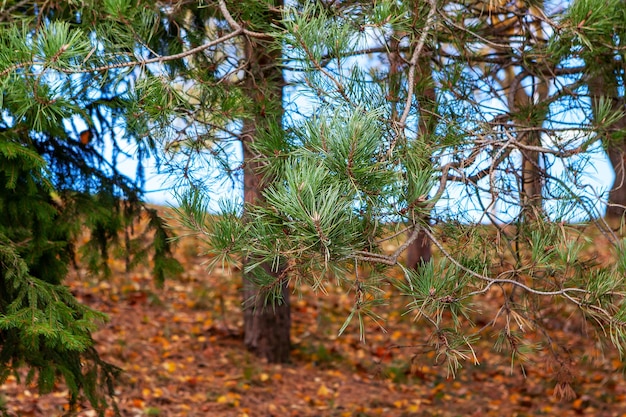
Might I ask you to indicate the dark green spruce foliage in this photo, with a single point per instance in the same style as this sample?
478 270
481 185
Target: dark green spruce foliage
42 325
55 190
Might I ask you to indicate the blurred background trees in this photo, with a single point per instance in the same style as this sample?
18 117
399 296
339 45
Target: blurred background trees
342 125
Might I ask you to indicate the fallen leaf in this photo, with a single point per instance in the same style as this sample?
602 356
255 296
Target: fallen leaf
169 366
323 391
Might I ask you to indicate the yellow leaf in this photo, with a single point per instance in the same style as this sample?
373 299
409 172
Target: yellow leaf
323 391
222 399
169 366
264 377
396 335
198 397
413 408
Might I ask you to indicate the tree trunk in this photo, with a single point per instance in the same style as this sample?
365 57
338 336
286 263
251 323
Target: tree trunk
419 251
604 84
617 194
266 325
530 115
531 198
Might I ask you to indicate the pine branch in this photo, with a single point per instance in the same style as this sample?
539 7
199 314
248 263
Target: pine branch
103 68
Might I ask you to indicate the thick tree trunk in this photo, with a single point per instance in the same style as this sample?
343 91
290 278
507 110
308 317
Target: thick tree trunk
266 324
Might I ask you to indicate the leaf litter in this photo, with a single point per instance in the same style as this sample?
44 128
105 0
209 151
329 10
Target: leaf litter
181 349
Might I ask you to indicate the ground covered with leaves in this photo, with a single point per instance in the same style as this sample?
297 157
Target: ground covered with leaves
182 354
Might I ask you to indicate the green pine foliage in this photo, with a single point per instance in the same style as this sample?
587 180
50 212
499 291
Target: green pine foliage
365 164
412 107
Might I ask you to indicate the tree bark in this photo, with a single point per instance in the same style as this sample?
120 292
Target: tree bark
531 115
266 325
531 197
602 83
617 195
419 251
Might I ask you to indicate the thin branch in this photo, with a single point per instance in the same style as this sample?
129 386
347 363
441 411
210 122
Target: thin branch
5 13
411 74
233 23
393 236
156 60
497 280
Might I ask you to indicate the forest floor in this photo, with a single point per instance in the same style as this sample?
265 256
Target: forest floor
182 354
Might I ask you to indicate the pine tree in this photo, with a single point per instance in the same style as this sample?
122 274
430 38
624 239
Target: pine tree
349 168
350 175
379 151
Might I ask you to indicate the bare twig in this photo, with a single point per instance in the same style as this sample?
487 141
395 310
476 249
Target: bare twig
411 73
497 280
233 24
